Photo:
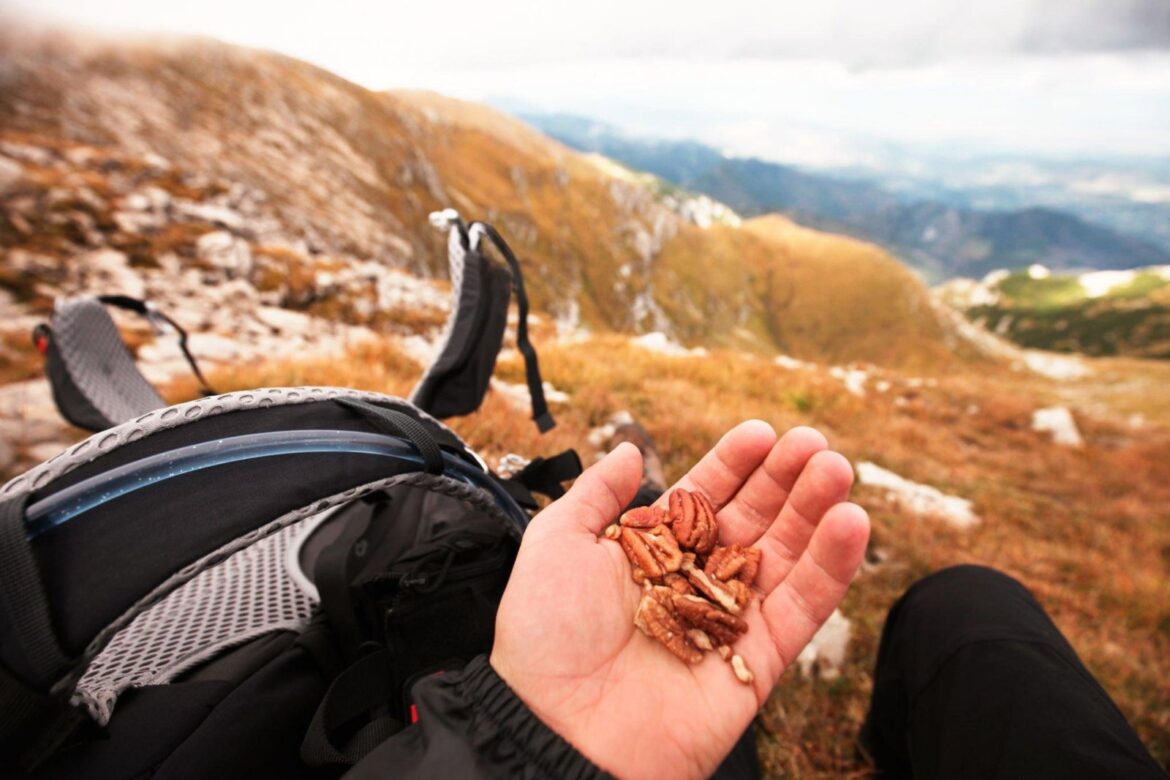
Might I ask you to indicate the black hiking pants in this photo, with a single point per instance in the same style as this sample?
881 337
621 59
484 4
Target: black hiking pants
973 680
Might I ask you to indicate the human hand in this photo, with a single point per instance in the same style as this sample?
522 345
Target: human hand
565 638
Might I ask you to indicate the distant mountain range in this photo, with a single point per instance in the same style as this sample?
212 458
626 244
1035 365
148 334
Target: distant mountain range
938 238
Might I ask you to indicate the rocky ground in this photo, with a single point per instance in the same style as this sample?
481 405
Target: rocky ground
209 253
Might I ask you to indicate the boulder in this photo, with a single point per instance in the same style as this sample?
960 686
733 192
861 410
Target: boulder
226 252
210 212
284 321
1058 422
10 173
826 651
917 498
109 271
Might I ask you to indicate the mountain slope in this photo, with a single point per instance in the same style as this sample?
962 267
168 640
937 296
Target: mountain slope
938 239
1098 313
344 172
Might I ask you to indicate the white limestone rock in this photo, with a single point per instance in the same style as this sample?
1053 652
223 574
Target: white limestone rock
1058 422
920 499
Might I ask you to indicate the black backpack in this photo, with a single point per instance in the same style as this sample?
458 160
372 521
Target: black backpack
248 583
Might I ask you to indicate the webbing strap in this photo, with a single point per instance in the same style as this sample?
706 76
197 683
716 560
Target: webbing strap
144 309
540 413
363 689
399 424
24 713
22 596
545 475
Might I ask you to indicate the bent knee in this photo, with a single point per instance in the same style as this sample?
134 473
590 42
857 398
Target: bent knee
969 601
966 579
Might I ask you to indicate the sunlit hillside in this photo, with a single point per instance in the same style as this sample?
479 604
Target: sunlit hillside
1096 313
310 161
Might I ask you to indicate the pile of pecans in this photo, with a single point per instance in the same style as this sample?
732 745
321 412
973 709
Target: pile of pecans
694 591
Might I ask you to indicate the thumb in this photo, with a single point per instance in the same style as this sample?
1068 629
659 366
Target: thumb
598 496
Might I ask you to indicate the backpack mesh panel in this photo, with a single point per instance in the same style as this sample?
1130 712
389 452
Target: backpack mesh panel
249 594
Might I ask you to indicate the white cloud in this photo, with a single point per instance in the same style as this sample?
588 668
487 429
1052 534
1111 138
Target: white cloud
823 83
462 32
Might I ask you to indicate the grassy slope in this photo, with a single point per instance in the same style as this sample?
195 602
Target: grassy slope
1085 529
1056 313
768 285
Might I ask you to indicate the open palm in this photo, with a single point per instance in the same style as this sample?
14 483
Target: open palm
565 639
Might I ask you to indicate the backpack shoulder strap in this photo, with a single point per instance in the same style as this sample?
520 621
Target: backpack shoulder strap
540 413
457 380
95 382
31 659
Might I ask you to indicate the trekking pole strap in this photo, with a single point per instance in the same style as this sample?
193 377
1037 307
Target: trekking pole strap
152 313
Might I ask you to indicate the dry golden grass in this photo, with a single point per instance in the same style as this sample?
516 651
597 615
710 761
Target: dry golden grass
19 359
1086 529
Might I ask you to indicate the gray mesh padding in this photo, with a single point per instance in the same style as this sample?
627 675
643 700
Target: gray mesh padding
247 595
236 593
98 362
185 414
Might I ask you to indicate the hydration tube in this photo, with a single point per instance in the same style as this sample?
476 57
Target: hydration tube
87 494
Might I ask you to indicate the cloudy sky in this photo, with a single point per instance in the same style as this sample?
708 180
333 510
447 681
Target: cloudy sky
822 82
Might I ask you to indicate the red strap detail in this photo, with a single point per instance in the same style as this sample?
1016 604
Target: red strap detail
413 714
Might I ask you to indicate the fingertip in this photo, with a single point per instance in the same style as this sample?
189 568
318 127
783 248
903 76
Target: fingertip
750 440
757 428
599 495
846 526
625 451
833 469
804 438
854 516
621 470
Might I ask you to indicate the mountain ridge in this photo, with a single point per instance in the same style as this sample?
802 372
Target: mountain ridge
349 176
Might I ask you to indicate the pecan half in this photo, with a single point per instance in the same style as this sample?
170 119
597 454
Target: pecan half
613 531
740 592
678 584
700 639
644 517
712 588
692 518
655 552
699 613
734 562
656 620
